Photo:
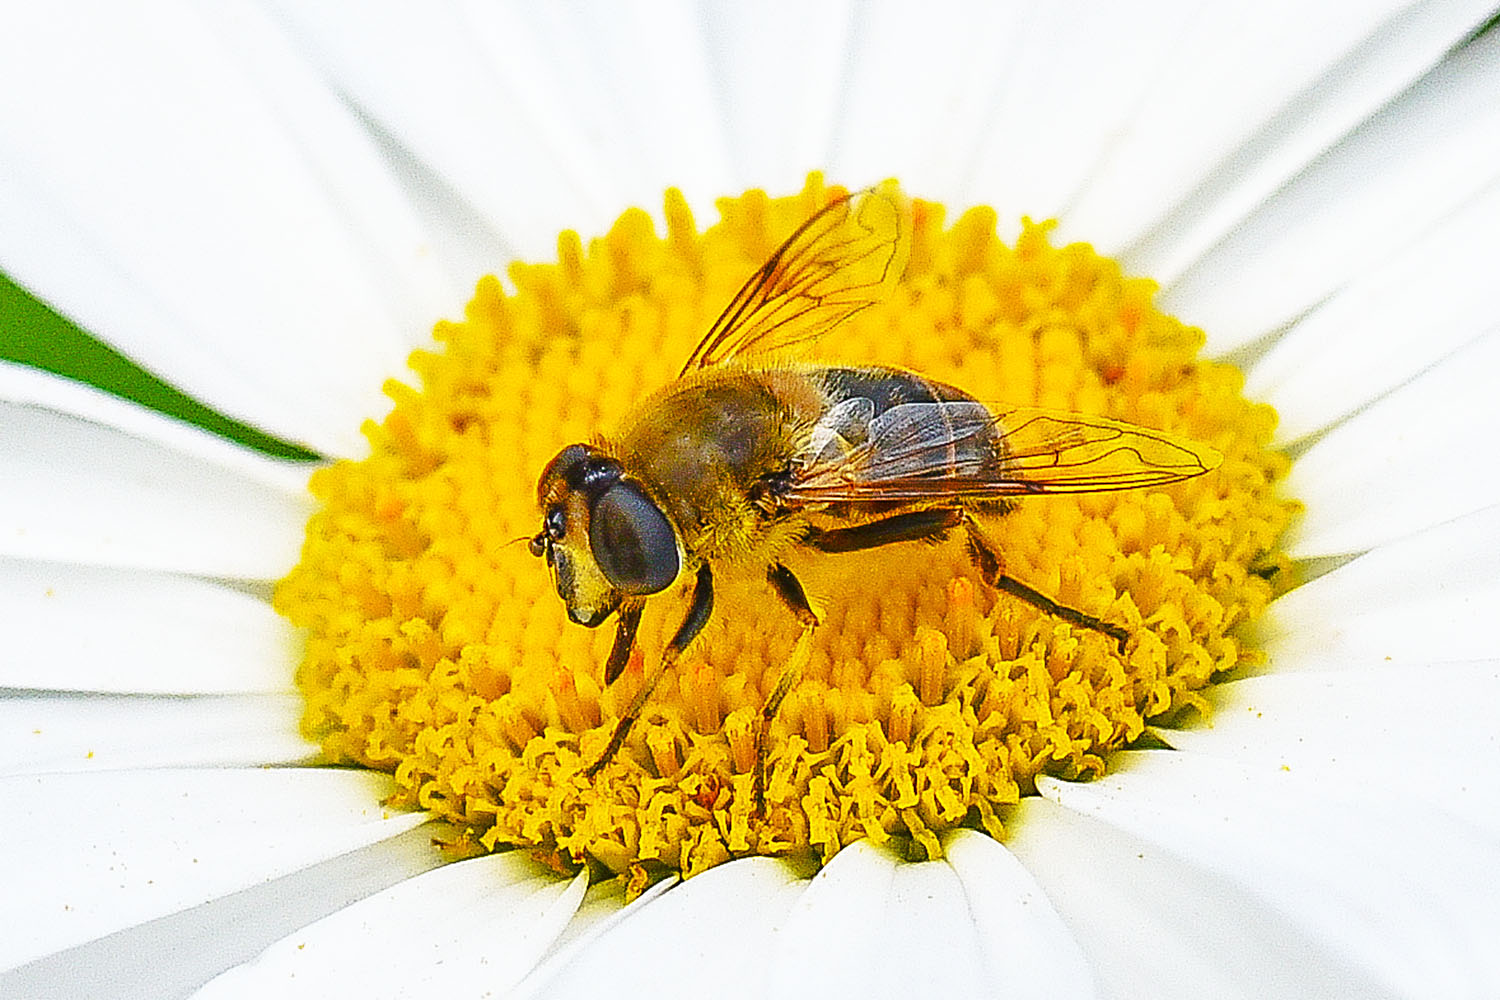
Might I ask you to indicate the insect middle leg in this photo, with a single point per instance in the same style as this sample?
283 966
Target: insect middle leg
699 610
907 527
900 528
789 589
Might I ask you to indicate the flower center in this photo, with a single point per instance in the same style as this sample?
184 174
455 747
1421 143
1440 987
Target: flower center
439 650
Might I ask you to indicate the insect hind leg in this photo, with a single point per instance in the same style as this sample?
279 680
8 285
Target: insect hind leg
914 526
992 570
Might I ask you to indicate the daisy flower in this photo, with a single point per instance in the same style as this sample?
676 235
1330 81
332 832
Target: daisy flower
270 204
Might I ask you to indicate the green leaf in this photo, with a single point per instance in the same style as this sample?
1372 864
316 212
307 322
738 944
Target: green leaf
32 334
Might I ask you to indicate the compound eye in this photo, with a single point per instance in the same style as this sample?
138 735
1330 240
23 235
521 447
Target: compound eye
632 540
555 524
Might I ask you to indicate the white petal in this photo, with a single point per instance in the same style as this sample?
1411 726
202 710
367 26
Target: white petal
1027 948
833 930
419 73
1413 164
601 911
1416 458
1389 324
781 94
1425 730
713 930
865 906
636 76
1376 69
166 183
1154 926
41 733
917 119
925 912
533 144
79 491
414 282
473 928
1406 896
1077 80
1231 71
33 387
174 955
1423 599
105 851
80 628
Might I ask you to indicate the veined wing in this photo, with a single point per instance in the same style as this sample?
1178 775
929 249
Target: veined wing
838 263
960 450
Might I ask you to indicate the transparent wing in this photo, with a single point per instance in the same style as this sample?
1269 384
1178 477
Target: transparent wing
838 263
960 450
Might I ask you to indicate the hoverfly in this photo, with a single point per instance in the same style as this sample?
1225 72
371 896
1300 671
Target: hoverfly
743 458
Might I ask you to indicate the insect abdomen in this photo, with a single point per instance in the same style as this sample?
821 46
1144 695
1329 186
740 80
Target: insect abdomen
899 424
886 387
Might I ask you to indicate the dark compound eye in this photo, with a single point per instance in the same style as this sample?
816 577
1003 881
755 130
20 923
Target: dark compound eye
632 540
555 524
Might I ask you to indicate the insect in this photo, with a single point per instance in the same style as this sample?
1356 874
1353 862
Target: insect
744 458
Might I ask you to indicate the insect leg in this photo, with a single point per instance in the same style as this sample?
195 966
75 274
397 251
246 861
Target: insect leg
987 560
699 610
619 654
789 589
910 527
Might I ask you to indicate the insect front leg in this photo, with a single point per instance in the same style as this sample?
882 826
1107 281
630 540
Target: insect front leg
698 613
991 568
625 628
789 589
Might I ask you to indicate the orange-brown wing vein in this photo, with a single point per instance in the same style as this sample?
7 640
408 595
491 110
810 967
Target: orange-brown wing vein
1034 452
841 261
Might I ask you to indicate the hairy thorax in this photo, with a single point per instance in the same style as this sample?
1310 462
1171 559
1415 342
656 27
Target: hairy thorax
703 446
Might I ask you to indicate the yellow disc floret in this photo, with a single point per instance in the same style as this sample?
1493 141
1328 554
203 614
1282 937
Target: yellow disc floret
438 650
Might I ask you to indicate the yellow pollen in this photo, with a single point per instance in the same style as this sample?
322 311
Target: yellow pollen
438 650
